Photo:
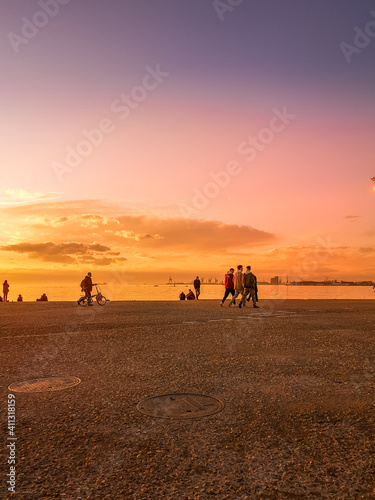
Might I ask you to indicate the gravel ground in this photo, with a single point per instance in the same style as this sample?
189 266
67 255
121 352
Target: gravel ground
297 378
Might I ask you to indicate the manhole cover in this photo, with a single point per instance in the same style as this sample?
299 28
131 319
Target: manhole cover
180 406
44 384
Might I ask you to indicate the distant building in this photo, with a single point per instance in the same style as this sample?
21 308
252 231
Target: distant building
275 281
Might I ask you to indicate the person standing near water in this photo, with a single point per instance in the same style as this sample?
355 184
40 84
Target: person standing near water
5 290
197 287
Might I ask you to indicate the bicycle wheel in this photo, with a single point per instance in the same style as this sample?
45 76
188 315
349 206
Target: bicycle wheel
101 300
83 301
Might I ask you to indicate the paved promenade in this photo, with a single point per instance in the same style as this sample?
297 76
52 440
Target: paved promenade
297 378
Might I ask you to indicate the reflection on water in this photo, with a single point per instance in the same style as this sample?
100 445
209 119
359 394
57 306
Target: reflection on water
168 292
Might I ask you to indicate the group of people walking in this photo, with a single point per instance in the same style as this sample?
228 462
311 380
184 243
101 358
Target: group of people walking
244 283
239 283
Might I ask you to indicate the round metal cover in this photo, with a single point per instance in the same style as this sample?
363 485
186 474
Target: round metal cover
44 384
180 406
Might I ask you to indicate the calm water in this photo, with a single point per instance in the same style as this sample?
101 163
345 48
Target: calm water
167 292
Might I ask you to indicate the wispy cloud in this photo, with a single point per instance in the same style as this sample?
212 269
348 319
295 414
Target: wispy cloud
85 220
14 197
353 218
131 235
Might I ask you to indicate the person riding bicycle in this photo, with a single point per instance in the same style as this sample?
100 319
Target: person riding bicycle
86 286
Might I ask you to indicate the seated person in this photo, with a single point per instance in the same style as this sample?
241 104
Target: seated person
43 298
182 296
19 298
190 295
1 299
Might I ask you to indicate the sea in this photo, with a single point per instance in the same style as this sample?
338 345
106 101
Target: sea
127 292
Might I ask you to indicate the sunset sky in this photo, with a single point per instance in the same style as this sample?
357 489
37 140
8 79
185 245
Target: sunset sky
148 138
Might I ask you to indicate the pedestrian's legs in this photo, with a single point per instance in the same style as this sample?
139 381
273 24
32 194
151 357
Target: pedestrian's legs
88 296
244 295
197 292
227 292
252 295
237 292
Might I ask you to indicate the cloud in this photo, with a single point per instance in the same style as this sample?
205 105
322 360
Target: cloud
14 197
143 232
367 250
131 235
85 220
353 218
98 248
200 236
68 231
66 253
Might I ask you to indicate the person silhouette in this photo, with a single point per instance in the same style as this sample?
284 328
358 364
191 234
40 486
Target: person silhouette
86 286
197 287
5 290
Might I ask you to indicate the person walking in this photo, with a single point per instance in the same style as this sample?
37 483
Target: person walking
250 288
197 287
238 285
5 290
228 284
86 285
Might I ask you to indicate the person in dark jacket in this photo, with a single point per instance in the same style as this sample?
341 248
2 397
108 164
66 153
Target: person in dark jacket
251 288
229 285
190 295
182 296
87 288
197 286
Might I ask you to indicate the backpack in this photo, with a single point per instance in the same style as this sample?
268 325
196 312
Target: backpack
83 283
253 280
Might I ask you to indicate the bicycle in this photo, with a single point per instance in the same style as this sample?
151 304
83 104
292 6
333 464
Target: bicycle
100 299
